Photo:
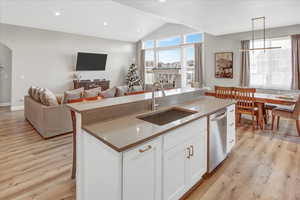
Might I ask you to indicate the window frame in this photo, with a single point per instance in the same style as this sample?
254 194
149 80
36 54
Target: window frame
181 46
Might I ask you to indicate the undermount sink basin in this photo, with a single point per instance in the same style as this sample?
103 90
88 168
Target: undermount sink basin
166 116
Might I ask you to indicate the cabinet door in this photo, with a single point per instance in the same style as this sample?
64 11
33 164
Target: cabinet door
198 159
175 172
142 172
231 132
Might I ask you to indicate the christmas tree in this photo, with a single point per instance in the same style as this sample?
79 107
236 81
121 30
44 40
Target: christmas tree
133 78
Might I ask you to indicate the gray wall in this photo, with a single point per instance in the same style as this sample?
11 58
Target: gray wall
212 45
231 42
5 75
48 58
274 32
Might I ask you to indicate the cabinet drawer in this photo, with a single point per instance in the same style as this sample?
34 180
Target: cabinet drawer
183 133
143 148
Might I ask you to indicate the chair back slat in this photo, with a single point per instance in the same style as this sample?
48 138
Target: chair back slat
244 97
223 92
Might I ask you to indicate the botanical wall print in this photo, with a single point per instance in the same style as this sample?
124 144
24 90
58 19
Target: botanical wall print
224 65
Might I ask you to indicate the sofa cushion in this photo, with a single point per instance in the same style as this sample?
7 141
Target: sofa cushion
73 94
92 92
111 92
48 98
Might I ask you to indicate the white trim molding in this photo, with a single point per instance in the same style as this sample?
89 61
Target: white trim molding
16 108
4 104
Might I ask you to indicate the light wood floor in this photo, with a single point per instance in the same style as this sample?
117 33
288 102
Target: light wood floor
262 166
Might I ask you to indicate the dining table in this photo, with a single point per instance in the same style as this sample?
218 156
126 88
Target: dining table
262 98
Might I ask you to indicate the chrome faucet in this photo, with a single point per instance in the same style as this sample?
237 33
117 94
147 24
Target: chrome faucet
155 86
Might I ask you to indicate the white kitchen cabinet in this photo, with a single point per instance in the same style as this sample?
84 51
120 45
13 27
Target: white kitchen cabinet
142 172
198 161
231 132
175 163
185 159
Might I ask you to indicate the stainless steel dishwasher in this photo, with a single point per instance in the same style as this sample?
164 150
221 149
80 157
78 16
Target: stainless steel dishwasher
217 139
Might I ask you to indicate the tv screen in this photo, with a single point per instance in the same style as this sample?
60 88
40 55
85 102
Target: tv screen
91 62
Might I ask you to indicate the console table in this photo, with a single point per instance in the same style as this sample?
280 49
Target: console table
88 84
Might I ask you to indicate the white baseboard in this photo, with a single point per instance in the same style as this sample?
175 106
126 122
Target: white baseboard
15 108
4 104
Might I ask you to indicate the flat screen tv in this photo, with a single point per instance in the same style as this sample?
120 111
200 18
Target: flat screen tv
91 62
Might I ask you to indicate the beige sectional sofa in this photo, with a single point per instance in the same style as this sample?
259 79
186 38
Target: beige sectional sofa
48 113
49 121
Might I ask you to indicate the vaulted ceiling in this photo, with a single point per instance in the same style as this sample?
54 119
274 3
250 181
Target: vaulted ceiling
221 16
131 20
100 18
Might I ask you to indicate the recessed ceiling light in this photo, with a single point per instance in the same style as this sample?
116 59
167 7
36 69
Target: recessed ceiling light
162 1
105 23
57 13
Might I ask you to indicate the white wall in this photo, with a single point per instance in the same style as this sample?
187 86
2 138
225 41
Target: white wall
169 30
48 58
5 75
212 45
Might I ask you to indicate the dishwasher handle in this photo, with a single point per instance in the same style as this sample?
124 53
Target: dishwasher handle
219 117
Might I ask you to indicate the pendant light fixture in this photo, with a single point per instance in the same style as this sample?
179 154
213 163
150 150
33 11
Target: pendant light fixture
255 20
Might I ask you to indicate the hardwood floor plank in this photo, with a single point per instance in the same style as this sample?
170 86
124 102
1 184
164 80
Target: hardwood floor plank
263 165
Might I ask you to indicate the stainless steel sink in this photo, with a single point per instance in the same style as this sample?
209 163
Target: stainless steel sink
166 116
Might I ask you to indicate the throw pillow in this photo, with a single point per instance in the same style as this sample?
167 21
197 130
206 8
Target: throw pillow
73 94
134 93
121 91
48 98
92 92
36 94
111 92
84 99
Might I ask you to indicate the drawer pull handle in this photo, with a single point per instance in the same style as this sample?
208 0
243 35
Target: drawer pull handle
232 111
232 124
192 150
231 141
189 153
146 149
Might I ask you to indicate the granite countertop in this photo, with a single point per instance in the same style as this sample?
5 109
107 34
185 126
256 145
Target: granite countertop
126 132
91 105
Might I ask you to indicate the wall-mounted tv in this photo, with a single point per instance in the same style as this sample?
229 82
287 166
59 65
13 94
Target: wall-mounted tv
91 61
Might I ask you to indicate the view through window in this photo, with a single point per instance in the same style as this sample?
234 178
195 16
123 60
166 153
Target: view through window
271 69
171 60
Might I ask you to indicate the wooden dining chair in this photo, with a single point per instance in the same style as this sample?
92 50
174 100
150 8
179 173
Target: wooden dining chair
73 117
245 104
224 92
289 112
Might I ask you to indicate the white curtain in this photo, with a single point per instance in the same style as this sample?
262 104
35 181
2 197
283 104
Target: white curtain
198 64
271 69
140 60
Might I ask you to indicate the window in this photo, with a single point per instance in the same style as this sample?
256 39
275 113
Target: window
271 69
149 44
193 38
149 65
190 64
169 58
169 42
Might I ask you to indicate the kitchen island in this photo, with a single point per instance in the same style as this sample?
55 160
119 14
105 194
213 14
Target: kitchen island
126 152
